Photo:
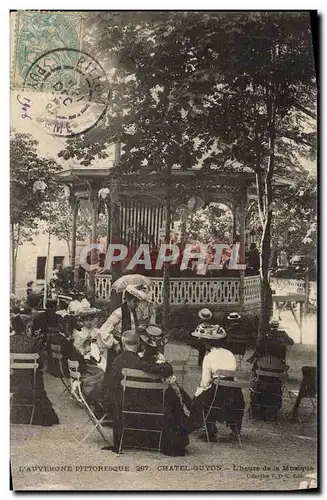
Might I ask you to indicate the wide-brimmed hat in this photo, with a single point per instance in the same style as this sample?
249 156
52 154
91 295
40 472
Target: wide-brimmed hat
91 311
205 314
139 294
209 332
233 316
154 336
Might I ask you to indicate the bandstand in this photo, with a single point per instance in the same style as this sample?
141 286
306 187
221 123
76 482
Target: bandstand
137 205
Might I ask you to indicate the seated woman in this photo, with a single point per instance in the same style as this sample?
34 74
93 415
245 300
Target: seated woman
178 401
87 342
22 382
229 399
266 394
64 339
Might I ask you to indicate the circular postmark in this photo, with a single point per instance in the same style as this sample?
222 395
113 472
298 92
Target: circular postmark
68 91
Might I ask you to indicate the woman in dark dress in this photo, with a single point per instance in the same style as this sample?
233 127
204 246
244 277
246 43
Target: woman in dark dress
177 401
266 394
21 384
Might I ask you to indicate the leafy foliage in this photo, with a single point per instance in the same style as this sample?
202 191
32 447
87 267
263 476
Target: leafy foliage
192 88
26 168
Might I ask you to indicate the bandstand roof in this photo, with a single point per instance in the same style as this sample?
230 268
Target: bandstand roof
212 185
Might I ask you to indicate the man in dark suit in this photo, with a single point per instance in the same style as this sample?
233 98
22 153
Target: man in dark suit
129 359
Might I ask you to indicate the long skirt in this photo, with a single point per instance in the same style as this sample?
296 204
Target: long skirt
23 400
92 383
230 402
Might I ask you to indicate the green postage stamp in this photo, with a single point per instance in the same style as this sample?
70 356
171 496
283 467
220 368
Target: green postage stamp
35 33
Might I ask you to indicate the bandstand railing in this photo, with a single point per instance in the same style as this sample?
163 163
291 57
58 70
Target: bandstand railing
194 291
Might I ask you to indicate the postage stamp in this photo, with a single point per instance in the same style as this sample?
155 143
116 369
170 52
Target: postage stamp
34 33
71 91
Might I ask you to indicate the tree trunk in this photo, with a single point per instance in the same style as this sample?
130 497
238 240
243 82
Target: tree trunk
69 252
13 260
266 294
46 277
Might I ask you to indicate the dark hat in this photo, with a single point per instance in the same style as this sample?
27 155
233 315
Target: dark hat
233 317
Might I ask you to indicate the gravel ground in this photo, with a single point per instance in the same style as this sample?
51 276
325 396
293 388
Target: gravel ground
277 457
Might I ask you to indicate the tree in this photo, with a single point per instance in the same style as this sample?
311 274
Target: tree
32 185
212 223
189 97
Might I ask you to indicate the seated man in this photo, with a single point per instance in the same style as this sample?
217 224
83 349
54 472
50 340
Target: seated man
129 359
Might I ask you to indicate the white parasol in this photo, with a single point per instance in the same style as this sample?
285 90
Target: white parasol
141 282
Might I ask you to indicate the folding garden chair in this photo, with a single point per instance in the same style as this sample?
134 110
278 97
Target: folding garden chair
268 386
56 355
308 391
232 379
24 361
143 403
77 393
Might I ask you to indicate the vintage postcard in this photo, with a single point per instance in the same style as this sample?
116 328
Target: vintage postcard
163 230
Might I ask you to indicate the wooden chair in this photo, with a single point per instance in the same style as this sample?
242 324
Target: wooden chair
232 379
25 361
77 393
308 391
56 355
142 382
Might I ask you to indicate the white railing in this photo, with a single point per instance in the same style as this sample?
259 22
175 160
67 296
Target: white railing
194 291
102 287
208 291
252 292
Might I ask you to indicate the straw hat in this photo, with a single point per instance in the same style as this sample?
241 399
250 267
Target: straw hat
91 311
233 317
154 336
205 314
139 294
209 332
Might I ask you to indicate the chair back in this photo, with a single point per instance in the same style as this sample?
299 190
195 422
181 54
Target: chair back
139 379
262 373
73 366
271 363
143 393
232 378
308 388
24 361
56 351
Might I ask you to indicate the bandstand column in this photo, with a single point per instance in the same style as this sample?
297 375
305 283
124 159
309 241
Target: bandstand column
74 203
242 209
94 255
115 237
234 222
